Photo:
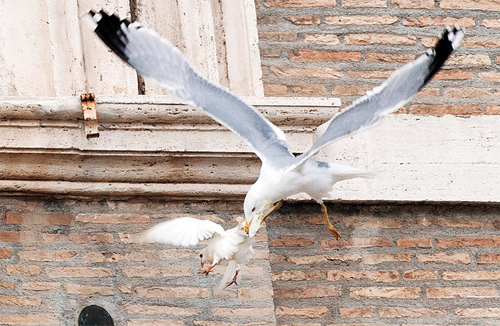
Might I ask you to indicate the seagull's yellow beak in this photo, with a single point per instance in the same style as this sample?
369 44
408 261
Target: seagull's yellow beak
262 215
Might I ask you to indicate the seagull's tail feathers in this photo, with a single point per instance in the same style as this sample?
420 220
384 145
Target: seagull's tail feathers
342 172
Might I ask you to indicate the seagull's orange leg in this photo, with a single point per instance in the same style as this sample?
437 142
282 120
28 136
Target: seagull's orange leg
332 230
233 281
206 270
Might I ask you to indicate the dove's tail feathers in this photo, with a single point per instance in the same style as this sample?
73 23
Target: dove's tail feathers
231 269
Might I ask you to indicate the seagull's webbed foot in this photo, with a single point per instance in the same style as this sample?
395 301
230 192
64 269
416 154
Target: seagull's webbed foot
233 281
207 270
331 228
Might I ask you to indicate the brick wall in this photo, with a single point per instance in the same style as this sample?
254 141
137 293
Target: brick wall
342 48
59 256
395 265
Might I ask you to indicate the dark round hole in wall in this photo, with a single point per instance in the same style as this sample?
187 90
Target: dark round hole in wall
94 316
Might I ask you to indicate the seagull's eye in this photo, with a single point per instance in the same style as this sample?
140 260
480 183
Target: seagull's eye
253 209
201 255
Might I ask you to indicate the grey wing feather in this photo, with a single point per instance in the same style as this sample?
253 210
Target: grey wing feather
160 61
399 89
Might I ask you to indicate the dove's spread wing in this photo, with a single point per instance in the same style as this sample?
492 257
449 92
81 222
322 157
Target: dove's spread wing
399 89
184 231
160 61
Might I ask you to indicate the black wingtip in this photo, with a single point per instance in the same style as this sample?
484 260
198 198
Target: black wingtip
109 30
447 43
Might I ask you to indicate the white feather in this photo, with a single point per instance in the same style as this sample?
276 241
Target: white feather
184 231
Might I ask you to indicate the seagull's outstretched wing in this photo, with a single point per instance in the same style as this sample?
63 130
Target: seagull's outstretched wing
390 96
183 231
160 61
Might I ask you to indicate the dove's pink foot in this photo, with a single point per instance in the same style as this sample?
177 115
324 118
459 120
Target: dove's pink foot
206 270
233 281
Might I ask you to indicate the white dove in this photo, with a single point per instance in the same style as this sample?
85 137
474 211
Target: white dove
233 245
282 173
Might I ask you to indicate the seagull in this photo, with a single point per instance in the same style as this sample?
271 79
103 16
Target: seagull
282 173
233 245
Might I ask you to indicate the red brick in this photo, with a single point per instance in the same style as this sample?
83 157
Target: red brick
357 243
5 253
164 310
413 4
319 291
297 275
439 21
110 257
365 3
444 109
351 91
41 286
362 312
481 42
488 259
468 242
47 256
469 59
443 258
374 276
454 75
275 90
414 243
291 242
270 53
491 23
329 39
25 270
317 72
471 276
324 56
31 319
10 236
20 301
385 292
255 293
470 4
305 260
374 259
102 238
385 39
242 312
83 272
175 292
493 109
303 313
299 3
402 312
368 74
389 57
460 223
7 285
154 322
111 218
421 275
266 20
309 90
461 292
277 36
361 20
490 76
88 289
304 20
375 222
478 313
39 218
173 271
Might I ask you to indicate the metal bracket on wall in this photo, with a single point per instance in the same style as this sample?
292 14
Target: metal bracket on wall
90 115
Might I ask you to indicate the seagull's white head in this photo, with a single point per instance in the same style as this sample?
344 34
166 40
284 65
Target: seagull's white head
257 208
